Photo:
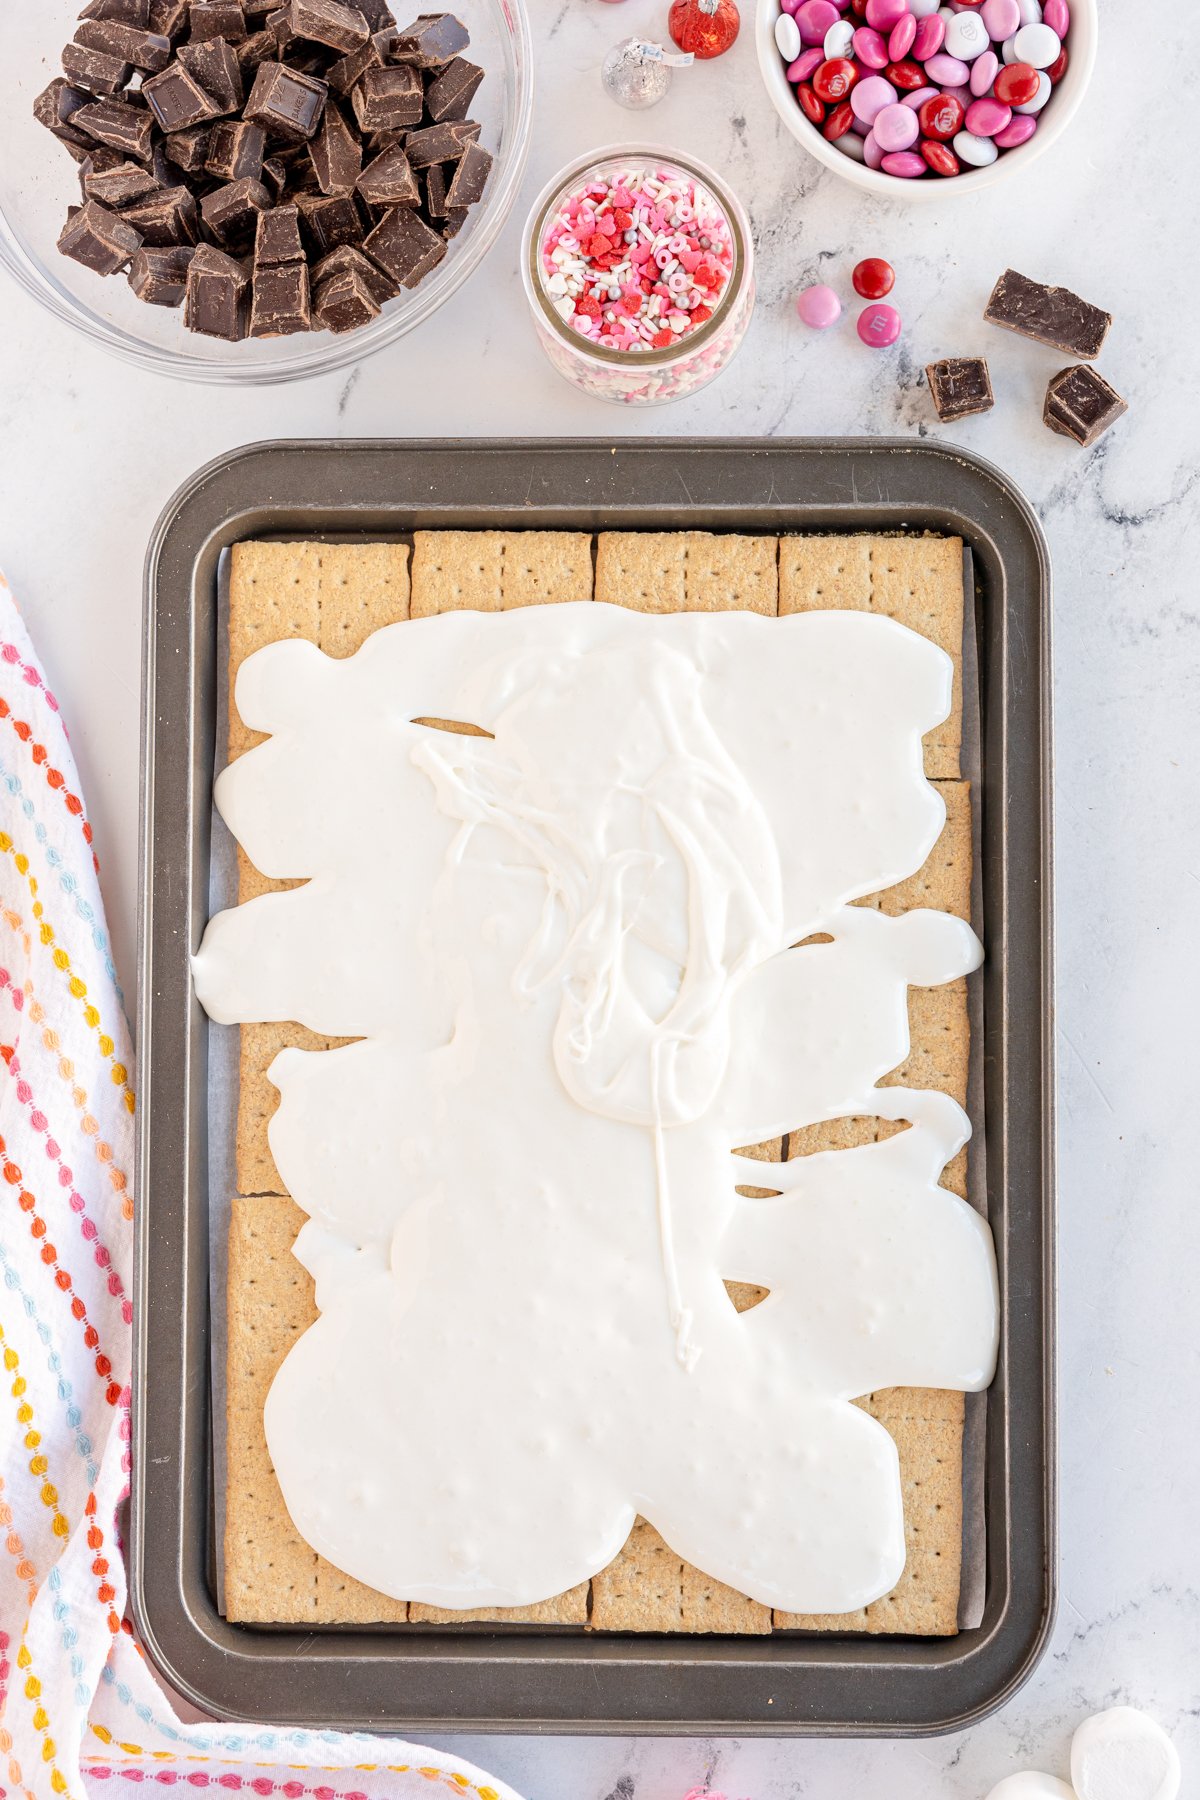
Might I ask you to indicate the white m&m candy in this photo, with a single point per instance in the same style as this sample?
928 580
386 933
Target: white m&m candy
1038 45
978 151
967 37
839 39
787 37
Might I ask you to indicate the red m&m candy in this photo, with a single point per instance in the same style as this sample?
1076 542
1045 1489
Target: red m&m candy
839 122
940 157
873 278
1016 84
1058 67
908 76
834 79
942 118
811 107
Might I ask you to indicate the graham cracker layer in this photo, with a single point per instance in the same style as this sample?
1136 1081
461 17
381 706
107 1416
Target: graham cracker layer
336 595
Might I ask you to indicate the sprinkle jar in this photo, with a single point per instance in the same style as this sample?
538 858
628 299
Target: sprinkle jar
639 271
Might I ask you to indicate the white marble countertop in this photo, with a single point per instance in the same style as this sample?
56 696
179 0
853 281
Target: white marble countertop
92 451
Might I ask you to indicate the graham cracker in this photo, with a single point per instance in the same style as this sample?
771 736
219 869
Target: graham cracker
283 590
491 571
915 580
687 571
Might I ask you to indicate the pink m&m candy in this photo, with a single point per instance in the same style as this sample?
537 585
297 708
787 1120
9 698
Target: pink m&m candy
870 48
814 18
870 97
1002 18
987 117
946 70
805 63
872 154
819 306
1057 15
931 35
903 162
903 35
885 14
1018 131
879 325
983 73
896 128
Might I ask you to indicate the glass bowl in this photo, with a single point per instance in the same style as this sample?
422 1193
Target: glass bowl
649 377
39 180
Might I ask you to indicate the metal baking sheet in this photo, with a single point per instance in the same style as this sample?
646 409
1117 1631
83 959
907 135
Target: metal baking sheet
529 1678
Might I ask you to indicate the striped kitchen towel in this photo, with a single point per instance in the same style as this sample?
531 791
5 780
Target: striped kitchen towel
80 1710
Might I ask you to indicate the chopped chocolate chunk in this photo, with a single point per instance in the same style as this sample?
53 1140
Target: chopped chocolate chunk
433 39
378 14
349 70
177 101
213 66
959 386
450 94
121 127
252 52
434 184
274 178
56 105
231 212
166 218
285 102
144 49
280 303
159 277
278 239
93 71
347 256
169 18
97 238
328 22
404 246
214 303
386 99
470 177
1050 315
236 151
389 180
336 153
216 19
346 302
115 186
456 218
125 12
1081 405
328 220
434 144
188 150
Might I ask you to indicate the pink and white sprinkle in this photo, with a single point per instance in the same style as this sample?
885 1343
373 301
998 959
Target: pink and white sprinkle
636 260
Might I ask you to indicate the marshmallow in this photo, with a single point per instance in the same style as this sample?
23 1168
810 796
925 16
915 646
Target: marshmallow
1032 1787
1123 1755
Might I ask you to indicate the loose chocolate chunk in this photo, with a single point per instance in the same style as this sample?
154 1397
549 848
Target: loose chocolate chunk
188 150
231 212
286 103
214 303
216 19
159 277
125 12
470 177
435 180
121 127
213 66
349 70
328 220
144 49
434 144
379 285
1081 405
252 52
450 94
236 151
93 71
378 14
274 178
328 22
390 181
97 238
1050 315
404 246
166 218
177 101
336 153
170 17
346 303
432 39
278 239
959 386
54 108
456 218
115 186
386 99
280 304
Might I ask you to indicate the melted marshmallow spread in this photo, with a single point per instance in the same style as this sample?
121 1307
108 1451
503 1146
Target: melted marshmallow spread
564 948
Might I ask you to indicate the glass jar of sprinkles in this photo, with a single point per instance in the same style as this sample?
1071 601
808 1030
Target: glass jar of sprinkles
639 271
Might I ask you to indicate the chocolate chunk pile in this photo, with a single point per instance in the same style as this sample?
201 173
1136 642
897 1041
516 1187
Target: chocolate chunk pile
270 168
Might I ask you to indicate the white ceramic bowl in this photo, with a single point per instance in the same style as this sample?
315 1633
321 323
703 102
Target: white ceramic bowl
38 180
1053 120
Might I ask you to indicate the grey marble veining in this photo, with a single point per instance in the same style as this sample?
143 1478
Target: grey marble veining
91 452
